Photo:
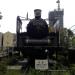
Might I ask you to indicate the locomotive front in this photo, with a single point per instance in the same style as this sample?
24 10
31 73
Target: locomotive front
37 42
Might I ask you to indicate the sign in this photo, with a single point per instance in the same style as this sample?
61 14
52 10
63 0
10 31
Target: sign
41 64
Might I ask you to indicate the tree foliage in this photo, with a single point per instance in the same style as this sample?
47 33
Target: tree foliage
70 33
0 15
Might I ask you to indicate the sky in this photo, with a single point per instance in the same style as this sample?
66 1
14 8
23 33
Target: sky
12 8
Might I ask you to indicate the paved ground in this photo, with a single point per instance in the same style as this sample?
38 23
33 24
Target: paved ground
14 67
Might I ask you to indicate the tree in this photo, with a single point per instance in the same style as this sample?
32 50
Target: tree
70 33
66 36
73 41
0 15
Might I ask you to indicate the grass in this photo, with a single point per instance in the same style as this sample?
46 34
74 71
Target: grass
13 72
35 72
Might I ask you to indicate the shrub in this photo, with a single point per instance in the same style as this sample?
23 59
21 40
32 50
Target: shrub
3 68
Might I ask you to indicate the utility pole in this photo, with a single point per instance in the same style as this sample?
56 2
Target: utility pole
58 32
2 35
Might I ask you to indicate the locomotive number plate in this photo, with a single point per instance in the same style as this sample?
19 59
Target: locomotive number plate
41 64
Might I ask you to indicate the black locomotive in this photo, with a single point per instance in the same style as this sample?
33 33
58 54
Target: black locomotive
37 42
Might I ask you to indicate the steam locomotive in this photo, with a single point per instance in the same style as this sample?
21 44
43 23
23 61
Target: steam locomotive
37 42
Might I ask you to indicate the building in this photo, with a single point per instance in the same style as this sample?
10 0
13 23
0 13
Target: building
56 15
56 23
8 39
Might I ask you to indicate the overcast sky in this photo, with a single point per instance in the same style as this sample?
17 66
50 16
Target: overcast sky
12 8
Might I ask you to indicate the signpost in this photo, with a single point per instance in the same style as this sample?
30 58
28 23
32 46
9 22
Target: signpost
41 64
